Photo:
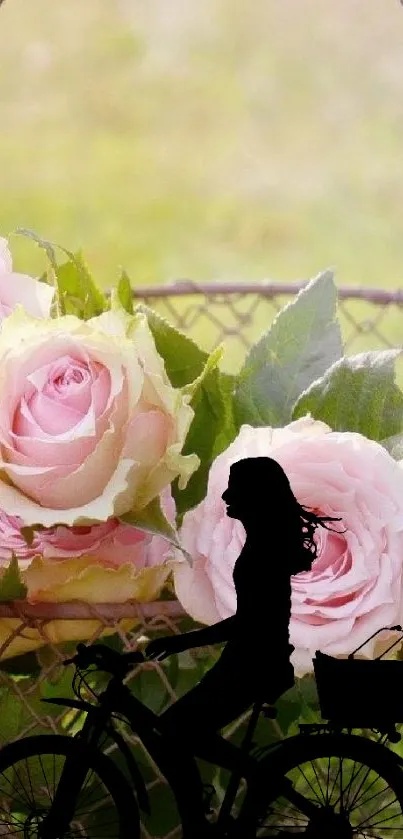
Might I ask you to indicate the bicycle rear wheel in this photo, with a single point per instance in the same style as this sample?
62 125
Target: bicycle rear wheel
29 773
355 784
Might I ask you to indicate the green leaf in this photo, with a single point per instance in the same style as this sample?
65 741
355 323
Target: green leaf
212 430
11 584
213 427
164 816
10 715
227 430
302 342
172 665
150 689
212 361
59 684
184 360
25 664
152 519
124 293
308 697
48 247
76 291
187 679
78 294
288 709
16 715
114 642
359 394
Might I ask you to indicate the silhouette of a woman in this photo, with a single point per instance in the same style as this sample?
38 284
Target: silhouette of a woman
254 664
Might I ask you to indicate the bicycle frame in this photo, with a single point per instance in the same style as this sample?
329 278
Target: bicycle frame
118 698
277 757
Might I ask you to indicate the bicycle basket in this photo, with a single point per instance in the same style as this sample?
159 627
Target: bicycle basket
359 693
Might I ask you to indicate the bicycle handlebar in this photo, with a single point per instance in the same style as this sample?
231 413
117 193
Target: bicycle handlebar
107 659
118 664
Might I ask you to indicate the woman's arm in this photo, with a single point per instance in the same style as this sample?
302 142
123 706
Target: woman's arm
159 648
215 634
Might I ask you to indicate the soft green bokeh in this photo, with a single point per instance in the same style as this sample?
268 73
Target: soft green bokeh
223 139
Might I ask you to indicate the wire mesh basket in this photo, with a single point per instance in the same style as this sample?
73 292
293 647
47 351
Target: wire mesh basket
360 693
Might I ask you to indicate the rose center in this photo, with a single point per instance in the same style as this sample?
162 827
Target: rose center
72 376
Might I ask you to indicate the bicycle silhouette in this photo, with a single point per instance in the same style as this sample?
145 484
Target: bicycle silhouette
336 785
323 783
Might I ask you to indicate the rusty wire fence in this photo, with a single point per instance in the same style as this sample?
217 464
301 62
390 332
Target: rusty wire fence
210 313
239 313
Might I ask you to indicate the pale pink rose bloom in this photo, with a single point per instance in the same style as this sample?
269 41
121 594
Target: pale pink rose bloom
355 584
111 543
13 542
35 297
109 562
90 425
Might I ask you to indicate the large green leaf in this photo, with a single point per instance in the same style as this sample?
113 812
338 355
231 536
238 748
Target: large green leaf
302 342
213 427
358 393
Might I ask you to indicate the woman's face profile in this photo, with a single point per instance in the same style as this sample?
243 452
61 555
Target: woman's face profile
234 498
249 493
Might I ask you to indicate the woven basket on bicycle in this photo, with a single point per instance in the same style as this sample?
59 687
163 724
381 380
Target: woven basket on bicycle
360 693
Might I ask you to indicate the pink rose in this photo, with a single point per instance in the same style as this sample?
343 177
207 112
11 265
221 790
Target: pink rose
106 563
13 542
355 584
35 297
111 543
90 425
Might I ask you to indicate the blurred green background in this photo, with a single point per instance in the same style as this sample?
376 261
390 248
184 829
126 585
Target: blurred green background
223 139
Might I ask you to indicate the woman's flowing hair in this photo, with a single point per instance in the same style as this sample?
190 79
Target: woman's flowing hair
301 520
309 521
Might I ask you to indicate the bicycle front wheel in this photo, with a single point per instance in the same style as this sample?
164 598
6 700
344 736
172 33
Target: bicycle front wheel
30 770
354 783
